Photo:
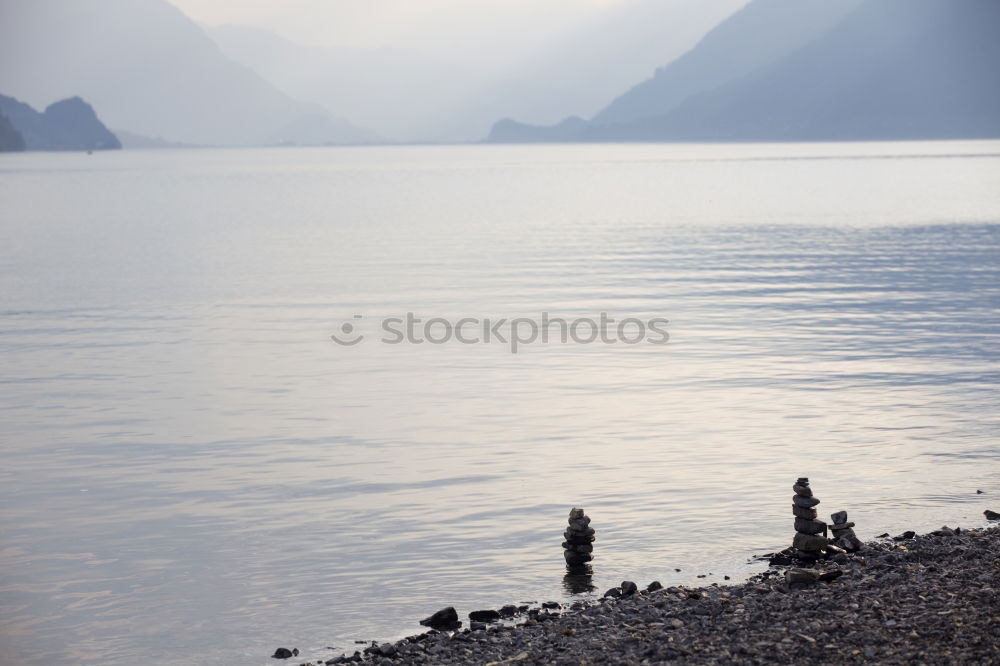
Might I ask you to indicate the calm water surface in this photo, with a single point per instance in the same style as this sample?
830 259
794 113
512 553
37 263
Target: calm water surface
194 473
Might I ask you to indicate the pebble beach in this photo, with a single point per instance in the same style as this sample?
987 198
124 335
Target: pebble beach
931 599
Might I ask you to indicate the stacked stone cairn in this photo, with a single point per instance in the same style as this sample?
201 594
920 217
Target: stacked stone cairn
578 548
843 536
810 534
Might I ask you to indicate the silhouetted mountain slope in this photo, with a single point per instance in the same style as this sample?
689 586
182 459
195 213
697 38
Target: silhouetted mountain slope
893 69
511 131
11 140
149 69
69 124
890 69
754 37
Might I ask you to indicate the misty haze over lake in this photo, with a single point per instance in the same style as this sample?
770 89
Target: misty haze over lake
214 213
555 70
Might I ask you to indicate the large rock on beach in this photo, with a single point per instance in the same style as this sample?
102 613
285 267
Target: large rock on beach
444 619
484 616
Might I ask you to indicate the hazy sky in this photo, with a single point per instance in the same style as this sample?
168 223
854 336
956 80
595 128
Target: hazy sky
490 33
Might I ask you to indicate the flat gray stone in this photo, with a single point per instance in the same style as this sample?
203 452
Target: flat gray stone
810 526
839 527
808 542
797 575
804 502
802 512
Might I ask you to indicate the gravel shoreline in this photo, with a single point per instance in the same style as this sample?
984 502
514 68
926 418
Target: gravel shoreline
932 599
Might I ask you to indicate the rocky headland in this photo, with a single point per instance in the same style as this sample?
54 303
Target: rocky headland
68 124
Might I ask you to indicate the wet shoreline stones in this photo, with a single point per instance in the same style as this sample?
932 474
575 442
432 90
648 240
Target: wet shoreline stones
932 601
626 589
578 547
872 578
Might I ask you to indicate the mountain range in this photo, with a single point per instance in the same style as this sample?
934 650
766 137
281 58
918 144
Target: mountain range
878 69
412 97
160 79
770 70
153 72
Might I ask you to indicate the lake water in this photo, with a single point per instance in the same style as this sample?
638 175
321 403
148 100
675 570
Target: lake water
194 472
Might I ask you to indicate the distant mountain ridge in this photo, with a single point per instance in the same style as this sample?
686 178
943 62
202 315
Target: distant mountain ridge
153 72
756 36
414 97
889 69
11 140
68 124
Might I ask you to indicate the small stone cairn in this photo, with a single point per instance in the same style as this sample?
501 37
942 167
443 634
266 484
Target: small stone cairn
810 534
578 548
843 535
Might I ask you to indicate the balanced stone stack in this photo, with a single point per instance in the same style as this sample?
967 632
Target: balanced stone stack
810 534
843 535
578 548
